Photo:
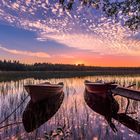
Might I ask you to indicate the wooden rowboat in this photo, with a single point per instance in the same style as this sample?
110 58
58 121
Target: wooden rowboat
98 87
43 91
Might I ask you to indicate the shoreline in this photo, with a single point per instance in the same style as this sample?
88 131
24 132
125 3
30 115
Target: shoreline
17 75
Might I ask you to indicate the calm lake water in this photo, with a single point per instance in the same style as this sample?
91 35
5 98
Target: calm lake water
76 118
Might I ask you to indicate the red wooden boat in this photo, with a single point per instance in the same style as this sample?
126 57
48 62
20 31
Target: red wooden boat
98 87
43 91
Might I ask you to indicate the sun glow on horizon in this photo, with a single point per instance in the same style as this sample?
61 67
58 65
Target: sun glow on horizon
79 63
103 62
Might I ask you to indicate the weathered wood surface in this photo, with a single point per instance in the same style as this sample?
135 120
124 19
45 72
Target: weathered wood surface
127 92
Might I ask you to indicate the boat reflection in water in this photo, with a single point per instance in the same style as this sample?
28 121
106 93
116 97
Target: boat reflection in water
108 107
36 114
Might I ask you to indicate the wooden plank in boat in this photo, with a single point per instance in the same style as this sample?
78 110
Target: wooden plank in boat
127 92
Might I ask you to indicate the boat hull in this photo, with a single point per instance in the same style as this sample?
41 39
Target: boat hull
99 88
44 91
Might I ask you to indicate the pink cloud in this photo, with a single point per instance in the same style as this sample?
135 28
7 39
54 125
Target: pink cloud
26 53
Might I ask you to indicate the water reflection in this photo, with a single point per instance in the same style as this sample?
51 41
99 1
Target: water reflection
104 105
38 113
109 107
128 122
74 113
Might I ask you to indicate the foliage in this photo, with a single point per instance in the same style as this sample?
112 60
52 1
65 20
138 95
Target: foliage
12 66
126 10
61 133
17 66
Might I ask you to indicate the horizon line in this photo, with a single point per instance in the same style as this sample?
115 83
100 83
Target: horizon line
72 64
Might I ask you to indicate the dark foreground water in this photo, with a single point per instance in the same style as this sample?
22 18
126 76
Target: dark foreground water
74 118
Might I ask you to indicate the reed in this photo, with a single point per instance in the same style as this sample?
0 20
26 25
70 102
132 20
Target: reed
74 119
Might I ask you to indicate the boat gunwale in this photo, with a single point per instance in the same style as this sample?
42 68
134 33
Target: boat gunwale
45 85
101 84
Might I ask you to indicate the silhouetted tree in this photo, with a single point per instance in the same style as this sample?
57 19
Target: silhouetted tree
17 66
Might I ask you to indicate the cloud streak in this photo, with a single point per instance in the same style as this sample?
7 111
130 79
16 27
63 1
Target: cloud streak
25 53
101 45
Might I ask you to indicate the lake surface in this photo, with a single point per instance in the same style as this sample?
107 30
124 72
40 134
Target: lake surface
74 116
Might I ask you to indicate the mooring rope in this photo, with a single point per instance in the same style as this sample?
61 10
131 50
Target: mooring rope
15 123
14 109
131 85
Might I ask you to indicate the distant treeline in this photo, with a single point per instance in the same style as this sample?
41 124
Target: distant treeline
17 66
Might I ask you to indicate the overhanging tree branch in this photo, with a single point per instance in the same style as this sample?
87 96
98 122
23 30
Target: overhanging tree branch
127 10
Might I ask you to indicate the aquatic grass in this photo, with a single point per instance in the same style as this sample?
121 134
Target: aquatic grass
78 119
60 133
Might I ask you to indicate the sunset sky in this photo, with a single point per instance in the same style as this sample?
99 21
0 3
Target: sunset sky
40 31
